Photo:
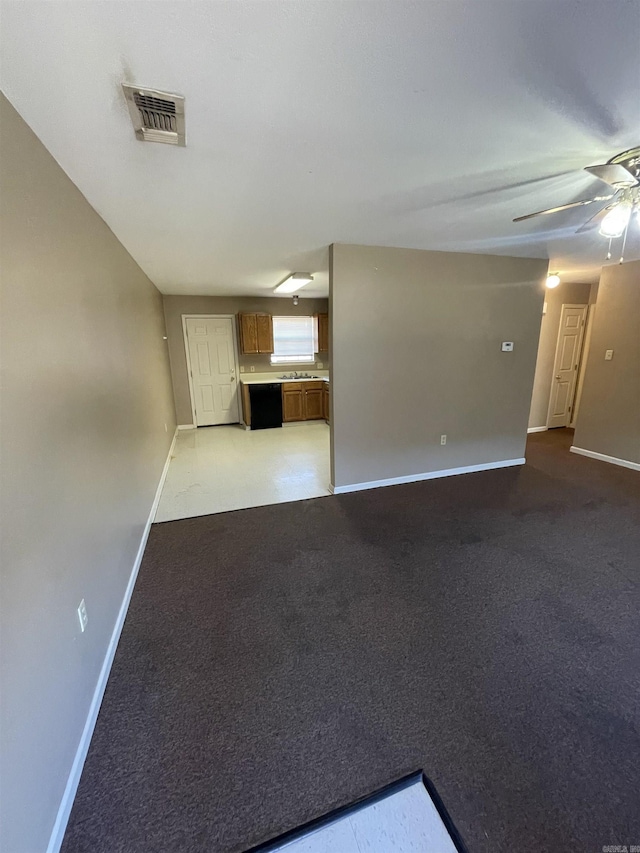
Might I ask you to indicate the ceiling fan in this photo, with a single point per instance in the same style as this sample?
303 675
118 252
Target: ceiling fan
622 173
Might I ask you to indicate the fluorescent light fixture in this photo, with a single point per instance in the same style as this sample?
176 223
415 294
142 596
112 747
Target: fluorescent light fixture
295 281
616 220
553 280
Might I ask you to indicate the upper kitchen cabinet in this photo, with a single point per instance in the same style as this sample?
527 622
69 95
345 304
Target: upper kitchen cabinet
265 332
256 333
323 332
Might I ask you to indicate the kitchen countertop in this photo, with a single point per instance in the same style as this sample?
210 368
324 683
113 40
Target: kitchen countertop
266 378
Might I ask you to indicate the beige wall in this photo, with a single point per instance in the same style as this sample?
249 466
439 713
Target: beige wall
609 415
86 396
564 294
176 306
416 353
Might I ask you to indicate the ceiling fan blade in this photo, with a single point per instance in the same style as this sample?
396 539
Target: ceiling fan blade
595 219
613 174
563 207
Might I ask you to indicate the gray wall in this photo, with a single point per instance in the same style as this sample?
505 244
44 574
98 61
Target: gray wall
86 395
176 306
609 415
416 353
564 294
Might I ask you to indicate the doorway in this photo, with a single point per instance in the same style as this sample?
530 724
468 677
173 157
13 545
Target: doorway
219 463
566 364
212 367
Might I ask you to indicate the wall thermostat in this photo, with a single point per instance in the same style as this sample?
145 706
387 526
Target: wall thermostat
507 346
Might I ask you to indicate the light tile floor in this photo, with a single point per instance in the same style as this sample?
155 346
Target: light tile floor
405 822
216 469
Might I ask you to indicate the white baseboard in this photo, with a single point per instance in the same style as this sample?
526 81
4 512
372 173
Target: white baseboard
537 429
295 424
59 827
186 426
430 475
624 463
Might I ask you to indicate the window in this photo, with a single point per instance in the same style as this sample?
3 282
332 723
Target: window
293 340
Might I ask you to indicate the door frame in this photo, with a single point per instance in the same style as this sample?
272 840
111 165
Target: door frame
557 352
185 339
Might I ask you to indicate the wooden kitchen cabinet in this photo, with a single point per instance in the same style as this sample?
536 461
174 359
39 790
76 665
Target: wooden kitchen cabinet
264 324
256 333
323 332
325 403
302 401
248 326
292 402
246 404
313 404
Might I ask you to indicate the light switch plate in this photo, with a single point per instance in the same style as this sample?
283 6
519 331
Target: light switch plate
507 346
608 355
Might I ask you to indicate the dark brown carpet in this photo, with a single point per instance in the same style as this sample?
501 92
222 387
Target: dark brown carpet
280 661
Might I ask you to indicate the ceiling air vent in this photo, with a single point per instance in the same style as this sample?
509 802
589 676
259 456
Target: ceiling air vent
156 116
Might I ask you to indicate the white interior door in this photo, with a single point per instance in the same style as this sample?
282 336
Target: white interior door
212 361
586 343
565 368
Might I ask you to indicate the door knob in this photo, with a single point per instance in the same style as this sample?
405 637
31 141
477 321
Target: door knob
558 376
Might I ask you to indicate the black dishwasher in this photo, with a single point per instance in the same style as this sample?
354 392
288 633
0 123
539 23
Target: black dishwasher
266 405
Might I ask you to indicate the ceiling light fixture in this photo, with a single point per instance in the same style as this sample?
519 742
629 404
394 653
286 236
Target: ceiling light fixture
616 220
294 282
553 280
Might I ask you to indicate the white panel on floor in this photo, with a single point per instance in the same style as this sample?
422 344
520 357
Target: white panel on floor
404 822
221 468
336 838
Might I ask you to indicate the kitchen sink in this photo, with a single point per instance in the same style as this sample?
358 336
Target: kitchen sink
299 376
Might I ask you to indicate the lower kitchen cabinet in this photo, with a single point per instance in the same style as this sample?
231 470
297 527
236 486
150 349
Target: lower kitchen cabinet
313 404
303 401
325 403
292 403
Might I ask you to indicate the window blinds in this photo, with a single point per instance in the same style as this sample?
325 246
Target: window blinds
293 340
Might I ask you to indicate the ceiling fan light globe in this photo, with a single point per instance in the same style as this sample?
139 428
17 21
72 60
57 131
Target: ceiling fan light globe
616 220
553 280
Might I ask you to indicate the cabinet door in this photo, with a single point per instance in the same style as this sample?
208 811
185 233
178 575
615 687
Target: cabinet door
313 404
264 324
325 408
248 333
323 333
292 405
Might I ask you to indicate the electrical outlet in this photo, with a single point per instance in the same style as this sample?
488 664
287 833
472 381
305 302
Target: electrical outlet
82 616
507 346
242 370
252 369
319 365
443 439
608 355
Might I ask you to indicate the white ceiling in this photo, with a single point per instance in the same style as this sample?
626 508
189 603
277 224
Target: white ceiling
425 125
